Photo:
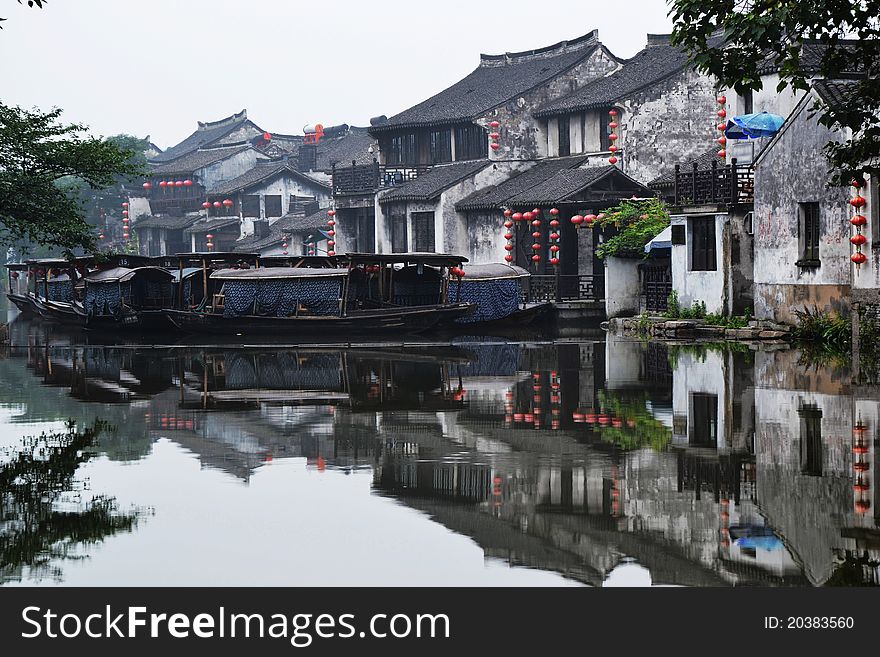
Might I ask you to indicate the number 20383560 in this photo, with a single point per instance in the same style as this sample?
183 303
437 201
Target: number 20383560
809 622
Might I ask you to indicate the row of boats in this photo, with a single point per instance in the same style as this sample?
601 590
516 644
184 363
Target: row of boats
249 294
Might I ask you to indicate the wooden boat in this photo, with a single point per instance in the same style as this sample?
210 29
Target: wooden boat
17 286
497 291
129 299
300 301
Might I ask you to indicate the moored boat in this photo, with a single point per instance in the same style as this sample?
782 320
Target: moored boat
496 289
315 302
124 298
17 288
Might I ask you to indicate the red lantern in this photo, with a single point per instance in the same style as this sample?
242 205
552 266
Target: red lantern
494 124
590 218
331 243
284 245
554 236
332 213
613 125
858 240
179 183
722 100
217 204
536 223
612 160
554 261
163 184
331 253
577 220
508 258
210 245
858 220
527 216
536 247
508 236
331 222
125 204
101 236
554 211
856 183
517 216
600 216
536 234
125 220
554 248
331 233
147 185
209 236
721 113
722 153
187 183
125 213
858 201
227 202
722 140
536 258
536 211
612 137
494 146
721 127
612 112
508 212
859 258
508 247
266 136
612 148
125 235
494 135
508 224
206 205
554 223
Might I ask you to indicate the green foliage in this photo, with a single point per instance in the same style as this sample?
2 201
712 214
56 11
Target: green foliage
674 310
832 333
754 34
637 221
46 169
638 428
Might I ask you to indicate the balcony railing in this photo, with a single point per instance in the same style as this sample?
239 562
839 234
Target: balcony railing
176 206
728 184
369 178
565 287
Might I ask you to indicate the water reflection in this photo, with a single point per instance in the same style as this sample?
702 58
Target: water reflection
605 462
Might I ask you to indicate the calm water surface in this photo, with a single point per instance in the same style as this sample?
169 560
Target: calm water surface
482 463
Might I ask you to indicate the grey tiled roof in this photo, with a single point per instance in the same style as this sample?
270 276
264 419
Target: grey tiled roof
496 196
167 221
811 56
837 93
212 223
206 134
430 185
197 159
290 224
497 79
352 144
646 68
261 172
559 185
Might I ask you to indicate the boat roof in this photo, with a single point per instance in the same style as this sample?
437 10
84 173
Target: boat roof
233 256
16 266
57 262
437 259
187 272
123 274
302 260
276 273
493 271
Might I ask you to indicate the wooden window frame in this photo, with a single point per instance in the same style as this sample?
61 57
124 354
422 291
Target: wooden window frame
704 254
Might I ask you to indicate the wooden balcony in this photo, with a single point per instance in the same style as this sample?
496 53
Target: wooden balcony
176 206
369 178
729 184
564 287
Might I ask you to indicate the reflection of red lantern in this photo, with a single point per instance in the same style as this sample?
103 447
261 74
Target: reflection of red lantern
227 202
217 204
206 205
147 185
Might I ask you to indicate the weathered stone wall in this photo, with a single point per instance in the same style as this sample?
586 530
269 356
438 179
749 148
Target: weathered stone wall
230 168
790 172
521 134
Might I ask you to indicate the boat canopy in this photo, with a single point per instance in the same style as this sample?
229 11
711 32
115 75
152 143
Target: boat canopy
493 271
124 274
276 273
16 266
185 274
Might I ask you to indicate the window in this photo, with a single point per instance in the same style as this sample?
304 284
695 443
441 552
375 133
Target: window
423 232
273 205
398 228
564 135
811 440
402 149
703 244
365 226
809 234
250 206
441 146
471 142
704 428
748 102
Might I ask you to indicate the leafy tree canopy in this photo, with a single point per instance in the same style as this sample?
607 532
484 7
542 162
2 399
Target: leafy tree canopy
754 33
637 222
46 168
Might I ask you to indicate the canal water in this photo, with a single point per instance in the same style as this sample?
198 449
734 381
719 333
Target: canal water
478 462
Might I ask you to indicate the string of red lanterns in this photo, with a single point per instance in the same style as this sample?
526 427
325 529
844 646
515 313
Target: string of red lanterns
554 237
508 235
858 221
534 218
284 245
613 125
210 239
494 136
331 223
126 234
555 401
861 466
722 127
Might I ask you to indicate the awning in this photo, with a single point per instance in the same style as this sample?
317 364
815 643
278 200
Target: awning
752 126
663 240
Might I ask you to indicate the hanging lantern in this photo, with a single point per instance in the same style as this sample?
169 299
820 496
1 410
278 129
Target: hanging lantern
331 233
209 236
494 124
206 205
859 258
554 211
858 239
577 220
858 201
517 216
179 183
187 183
125 213
527 216
612 112
722 153
332 222
332 213
612 148
125 220
494 135
722 99
227 202
612 137
536 234
508 224
536 223
721 127
125 235
858 220
722 113
331 243
722 140
147 185
125 204
508 247
536 247
101 236
590 218
536 259
508 258
508 212
283 245
495 145
612 160
217 204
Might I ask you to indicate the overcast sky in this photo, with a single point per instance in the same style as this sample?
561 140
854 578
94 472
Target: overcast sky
155 68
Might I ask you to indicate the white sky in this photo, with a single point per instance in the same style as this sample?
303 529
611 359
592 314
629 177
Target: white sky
155 68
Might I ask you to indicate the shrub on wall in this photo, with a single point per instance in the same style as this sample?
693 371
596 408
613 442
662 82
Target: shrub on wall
637 222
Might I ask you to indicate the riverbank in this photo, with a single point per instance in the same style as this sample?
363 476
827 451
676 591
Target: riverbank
694 329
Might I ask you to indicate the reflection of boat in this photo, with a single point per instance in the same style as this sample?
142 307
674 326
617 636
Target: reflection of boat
303 301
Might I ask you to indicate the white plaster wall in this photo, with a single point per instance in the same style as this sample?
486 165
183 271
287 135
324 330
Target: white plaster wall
623 289
698 374
707 286
623 362
232 167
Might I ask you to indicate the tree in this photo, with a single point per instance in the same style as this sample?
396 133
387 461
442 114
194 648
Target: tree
735 39
30 3
44 167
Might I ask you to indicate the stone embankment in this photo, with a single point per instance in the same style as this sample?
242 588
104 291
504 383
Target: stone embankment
694 329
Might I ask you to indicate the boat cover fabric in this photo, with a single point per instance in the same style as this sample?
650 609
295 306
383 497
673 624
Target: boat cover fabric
106 299
417 285
60 290
282 297
495 298
283 371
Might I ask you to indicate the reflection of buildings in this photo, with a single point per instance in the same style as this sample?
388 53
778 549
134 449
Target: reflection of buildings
707 467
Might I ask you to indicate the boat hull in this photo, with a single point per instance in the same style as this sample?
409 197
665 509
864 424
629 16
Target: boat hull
360 324
24 304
